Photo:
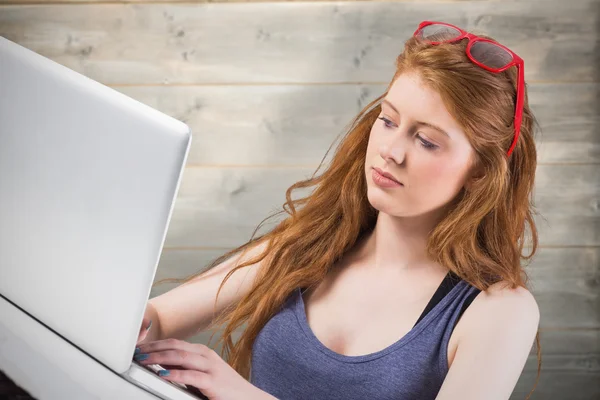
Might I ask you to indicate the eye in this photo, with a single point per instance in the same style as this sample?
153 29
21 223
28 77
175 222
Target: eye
424 143
386 122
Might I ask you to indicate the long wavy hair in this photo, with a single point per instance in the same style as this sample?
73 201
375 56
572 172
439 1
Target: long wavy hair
481 238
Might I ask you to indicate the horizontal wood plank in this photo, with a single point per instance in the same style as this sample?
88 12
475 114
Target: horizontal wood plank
570 356
291 42
296 124
25 2
221 206
564 281
558 385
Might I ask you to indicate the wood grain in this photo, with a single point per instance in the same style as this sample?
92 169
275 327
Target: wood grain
267 87
221 206
284 125
292 42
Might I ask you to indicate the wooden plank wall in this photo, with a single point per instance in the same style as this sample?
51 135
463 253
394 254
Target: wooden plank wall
266 87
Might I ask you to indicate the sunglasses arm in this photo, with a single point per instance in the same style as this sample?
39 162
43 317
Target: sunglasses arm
519 105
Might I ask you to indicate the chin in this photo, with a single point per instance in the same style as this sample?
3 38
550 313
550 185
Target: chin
381 201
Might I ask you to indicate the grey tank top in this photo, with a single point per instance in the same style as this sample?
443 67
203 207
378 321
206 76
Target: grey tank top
289 361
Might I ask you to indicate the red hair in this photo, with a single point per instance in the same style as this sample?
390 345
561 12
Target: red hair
480 239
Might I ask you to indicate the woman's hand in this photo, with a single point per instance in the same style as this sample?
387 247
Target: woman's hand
199 366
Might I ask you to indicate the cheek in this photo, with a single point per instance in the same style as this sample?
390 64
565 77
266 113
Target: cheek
372 146
439 170
439 175
372 139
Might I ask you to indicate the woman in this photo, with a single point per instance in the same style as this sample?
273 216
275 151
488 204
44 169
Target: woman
406 287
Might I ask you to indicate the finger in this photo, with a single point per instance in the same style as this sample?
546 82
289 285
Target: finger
190 378
181 358
171 343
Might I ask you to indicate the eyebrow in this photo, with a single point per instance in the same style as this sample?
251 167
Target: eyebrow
432 126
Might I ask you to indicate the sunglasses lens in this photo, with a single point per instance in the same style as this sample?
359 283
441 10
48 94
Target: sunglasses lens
438 32
490 54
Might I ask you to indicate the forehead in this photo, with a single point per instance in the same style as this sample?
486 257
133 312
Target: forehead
417 102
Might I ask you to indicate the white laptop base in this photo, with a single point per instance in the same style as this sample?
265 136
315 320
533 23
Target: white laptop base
139 375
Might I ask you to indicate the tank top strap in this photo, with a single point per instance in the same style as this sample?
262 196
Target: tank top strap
449 282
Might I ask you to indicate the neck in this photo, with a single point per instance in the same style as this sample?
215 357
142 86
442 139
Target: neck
399 244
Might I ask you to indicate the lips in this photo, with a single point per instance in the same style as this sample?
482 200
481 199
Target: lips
387 175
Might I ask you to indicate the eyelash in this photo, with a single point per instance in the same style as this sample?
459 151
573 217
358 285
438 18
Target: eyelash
427 145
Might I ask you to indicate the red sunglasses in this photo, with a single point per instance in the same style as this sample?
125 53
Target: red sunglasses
486 53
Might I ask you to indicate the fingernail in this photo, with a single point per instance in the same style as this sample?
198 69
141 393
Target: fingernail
140 357
137 350
149 325
164 372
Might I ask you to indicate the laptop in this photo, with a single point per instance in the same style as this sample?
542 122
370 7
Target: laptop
88 180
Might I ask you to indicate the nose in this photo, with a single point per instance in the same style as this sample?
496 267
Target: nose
393 148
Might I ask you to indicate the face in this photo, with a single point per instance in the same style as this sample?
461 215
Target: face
432 166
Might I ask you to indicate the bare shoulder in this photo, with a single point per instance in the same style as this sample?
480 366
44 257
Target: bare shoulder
501 304
496 340
500 294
